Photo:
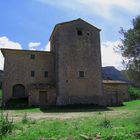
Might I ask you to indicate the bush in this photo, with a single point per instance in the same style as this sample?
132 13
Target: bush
134 92
6 125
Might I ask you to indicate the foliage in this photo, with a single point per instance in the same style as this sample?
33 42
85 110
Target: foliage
25 119
6 125
134 92
0 93
130 50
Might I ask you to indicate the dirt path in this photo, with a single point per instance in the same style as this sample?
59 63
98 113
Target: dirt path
72 115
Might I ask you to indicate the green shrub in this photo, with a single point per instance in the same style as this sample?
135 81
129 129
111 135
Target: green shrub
134 92
6 125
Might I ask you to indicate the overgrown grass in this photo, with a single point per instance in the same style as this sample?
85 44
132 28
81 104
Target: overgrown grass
101 126
74 129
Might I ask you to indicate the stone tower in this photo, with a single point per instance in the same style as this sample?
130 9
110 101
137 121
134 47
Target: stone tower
76 47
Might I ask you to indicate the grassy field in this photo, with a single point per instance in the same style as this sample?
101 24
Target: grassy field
77 123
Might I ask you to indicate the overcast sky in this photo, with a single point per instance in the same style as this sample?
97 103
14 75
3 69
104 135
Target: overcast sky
27 24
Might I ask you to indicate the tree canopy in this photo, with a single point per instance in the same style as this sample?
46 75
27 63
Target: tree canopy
130 50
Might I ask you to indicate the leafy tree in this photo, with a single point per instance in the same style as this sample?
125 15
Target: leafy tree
130 50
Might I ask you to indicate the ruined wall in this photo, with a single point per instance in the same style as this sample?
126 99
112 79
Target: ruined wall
78 53
18 66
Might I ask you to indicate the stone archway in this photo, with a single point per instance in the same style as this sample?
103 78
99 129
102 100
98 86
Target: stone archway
18 91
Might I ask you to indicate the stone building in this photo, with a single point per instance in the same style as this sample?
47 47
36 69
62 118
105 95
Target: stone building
115 92
69 74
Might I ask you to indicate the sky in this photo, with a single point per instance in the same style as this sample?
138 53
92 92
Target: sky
27 24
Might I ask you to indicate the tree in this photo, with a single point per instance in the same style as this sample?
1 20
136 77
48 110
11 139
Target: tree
130 50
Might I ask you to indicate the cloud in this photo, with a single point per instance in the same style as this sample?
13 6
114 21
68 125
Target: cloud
109 56
47 47
7 44
34 45
102 8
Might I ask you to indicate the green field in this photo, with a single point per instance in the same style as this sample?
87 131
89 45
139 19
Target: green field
75 123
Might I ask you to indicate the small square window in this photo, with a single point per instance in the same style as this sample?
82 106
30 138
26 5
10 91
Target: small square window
45 74
79 32
88 33
32 56
32 73
81 74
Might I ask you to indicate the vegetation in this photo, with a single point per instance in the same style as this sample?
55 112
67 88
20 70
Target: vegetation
105 123
0 93
134 92
25 119
6 125
116 123
130 50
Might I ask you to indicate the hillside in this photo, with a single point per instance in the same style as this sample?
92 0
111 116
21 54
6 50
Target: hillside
111 73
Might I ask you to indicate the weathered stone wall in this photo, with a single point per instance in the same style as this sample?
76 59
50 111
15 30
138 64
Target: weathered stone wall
78 53
34 94
18 66
115 93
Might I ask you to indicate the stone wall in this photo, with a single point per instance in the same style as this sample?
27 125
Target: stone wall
18 66
78 53
115 93
34 96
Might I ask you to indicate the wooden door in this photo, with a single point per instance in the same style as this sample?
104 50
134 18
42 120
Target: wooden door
43 98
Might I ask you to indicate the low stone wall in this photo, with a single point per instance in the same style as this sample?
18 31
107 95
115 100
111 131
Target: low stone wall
115 92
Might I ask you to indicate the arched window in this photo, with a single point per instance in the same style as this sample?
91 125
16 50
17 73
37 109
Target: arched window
18 91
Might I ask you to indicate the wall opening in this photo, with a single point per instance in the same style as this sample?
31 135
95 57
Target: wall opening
18 91
43 98
81 74
79 32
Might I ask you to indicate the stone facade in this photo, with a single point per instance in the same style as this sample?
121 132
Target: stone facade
69 74
115 92
18 66
74 53
42 95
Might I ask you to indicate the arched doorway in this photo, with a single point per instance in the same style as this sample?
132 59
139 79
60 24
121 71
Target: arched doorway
18 91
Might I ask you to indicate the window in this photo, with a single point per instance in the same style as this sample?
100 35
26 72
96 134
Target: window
32 56
79 32
88 33
45 74
81 74
32 73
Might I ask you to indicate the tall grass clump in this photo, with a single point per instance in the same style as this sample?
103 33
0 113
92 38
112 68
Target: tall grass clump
25 119
105 123
6 125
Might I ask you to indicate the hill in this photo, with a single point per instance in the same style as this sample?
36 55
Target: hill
111 73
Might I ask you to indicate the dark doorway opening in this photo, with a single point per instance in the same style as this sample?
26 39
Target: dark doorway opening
18 91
